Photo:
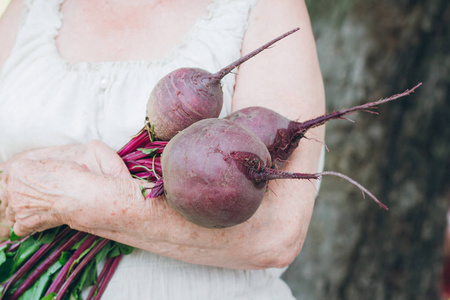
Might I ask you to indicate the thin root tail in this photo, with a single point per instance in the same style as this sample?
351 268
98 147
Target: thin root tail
357 184
364 107
219 75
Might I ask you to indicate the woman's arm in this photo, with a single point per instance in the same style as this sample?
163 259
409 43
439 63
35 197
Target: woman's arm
9 25
95 194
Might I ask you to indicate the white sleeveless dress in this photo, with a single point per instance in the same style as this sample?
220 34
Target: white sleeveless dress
45 101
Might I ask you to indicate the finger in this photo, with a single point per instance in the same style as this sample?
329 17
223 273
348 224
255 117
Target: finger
109 161
4 221
2 181
21 231
117 170
3 206
22 227
10 215
62 152
3 198
31 224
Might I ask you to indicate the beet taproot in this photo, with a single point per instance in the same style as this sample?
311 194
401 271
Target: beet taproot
201 184
215 173
188 95
281 135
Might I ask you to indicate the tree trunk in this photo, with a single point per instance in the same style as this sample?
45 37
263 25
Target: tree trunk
369 50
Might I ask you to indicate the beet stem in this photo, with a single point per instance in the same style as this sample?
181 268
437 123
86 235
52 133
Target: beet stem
80 267
14 244
137 141
101 277
143 139
219 75
138 154
33 260
54 256
109 275
62 274
304 126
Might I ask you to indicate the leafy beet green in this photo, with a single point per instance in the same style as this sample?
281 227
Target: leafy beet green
62 261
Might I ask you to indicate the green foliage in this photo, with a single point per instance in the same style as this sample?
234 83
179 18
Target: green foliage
150 152
38 289
119 248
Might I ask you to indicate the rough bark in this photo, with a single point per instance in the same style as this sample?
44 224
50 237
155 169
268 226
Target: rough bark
368 50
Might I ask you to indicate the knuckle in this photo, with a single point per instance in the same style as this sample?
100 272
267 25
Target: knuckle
13 192
26 224
19 230
10 214
31 155
18 166
3 198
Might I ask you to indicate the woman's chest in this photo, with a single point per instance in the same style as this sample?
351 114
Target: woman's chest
49 105
125 30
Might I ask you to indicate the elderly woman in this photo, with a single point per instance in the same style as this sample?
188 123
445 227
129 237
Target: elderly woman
75 79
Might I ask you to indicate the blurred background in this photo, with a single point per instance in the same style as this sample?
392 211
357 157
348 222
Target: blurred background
371 49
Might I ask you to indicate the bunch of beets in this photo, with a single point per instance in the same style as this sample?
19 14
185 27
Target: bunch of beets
184 146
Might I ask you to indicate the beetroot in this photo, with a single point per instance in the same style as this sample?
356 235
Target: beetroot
281 135
188 95
215 173
200 180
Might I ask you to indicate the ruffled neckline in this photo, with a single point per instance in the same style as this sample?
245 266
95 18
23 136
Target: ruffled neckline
88 66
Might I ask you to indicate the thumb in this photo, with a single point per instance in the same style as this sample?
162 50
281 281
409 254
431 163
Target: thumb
110 163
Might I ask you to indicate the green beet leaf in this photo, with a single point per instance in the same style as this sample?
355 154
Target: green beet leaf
38 289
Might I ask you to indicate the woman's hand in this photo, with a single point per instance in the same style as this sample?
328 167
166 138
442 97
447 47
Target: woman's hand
40 189
287 80
85 187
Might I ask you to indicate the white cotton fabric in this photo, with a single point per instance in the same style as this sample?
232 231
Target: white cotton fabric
45 101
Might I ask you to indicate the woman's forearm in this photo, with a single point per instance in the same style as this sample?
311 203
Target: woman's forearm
271 238
286 79
87 186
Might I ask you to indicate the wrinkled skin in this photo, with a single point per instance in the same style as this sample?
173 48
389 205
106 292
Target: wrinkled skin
182 98
203 178
38 187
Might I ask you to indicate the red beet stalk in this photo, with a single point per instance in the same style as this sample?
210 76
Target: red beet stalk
114 264
140 140
62 274
14 245
54 256
33 261
80 267
134 155
101 277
